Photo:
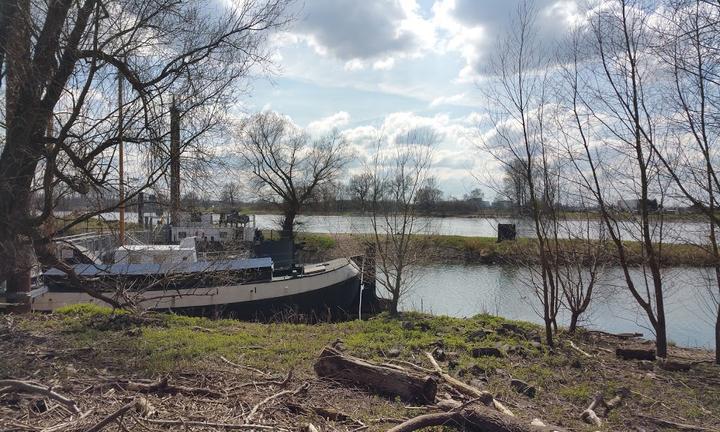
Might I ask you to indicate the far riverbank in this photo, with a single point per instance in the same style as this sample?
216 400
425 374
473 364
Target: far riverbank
486 250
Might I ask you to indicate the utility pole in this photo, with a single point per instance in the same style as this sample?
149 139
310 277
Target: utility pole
121 164
174 162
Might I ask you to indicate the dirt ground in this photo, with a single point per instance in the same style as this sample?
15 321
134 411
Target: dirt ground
178 373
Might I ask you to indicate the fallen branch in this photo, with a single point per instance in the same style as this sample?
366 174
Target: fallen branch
613 403
382 379
413 365
140 405
279 383
477 418
675 425
29 387
164 386
255 409
623 336
239 366
483 396
578 349
326 413
590 416
66 425
209 424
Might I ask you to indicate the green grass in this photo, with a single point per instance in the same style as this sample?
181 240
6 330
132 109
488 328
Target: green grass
165 342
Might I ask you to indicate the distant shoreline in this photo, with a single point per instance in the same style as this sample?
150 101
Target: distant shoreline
447 249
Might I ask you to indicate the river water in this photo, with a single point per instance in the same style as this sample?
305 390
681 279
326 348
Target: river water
671 232
466 290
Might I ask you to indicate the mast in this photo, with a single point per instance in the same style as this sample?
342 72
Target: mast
121 164
174 162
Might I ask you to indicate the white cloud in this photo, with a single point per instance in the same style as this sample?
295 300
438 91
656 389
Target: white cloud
326 124
385 64
447 100
354 65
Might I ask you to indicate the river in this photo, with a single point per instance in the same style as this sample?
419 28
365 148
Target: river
672 232
466 290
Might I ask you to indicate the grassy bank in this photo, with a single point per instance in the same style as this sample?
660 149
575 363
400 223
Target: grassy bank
486 250
88 352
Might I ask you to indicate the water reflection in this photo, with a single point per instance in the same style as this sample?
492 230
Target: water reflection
463 291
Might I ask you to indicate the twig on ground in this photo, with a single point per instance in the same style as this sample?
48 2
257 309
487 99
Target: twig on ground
239 366
675 425
282 383
138 404
255 409
30 387
468 390
578 349
164 386
210 424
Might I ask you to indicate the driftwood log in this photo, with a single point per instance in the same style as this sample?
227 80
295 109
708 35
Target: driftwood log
635 354
474 418
382 379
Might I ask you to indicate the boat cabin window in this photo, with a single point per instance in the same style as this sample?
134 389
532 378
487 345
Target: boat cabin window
223 234
182 234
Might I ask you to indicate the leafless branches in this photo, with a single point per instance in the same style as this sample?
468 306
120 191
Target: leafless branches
398 175
62 60
286 164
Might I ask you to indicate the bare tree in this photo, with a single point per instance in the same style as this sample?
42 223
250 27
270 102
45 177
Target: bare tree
64 60
690 47
429 195
230 193
397 177
359 188
521 145
620 100
286 164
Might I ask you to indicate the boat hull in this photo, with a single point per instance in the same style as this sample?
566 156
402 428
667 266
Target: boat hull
330 294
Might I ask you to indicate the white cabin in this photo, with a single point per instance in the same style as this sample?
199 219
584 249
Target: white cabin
157 254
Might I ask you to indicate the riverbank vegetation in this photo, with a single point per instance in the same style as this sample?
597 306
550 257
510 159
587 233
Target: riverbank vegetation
487 250
226 372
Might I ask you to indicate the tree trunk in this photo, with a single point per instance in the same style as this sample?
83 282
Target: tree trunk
717 337
18 161
549 333
382 379
661 333
394 304
573 321
288 223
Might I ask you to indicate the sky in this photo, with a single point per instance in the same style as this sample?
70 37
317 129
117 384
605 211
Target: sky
384 67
